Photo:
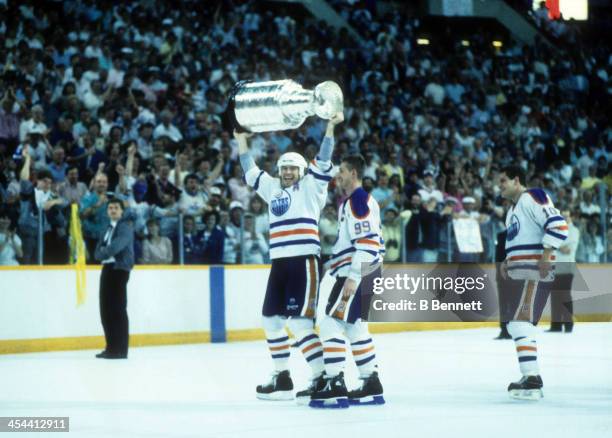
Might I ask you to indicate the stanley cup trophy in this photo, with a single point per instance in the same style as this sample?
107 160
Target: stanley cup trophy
279 105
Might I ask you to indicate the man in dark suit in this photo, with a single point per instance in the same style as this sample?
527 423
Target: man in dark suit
115 249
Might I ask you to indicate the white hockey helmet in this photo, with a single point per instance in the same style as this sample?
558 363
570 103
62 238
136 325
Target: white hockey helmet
292 159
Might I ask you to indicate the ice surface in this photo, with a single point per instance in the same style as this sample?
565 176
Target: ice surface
437 384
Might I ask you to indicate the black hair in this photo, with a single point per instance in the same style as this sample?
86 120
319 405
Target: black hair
116 201
153 221
356 163
209 214
190 176
44 173
515 171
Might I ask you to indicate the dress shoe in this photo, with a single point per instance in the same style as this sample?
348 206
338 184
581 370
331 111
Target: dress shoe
503 335
108 355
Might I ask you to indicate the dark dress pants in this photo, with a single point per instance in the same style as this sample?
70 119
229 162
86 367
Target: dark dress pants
113 308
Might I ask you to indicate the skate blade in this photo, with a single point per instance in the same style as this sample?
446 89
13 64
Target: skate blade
526 394
332 403
370 400
276 396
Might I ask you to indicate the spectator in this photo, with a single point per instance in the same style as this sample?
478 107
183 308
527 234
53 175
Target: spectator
94 97
588 206
10 119
193 244
35 124
383 193
93 212
412 233
156 249
591 180
392 234
167 129
145 141
10 243
213 238
424 229
72 190
33 201
58 166
238 188
260 214
255 246
193 200
591 245
435 91
36 142
215 201
429 189
231 228
182 168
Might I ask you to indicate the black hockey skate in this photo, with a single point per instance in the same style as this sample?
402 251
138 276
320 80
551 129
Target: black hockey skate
333 394
317 383
370 392
528 388
280 387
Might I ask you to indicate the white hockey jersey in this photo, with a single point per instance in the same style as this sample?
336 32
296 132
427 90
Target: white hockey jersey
532 223
359 237
294 211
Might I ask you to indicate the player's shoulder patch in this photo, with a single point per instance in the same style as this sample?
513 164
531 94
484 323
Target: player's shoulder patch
359 203
538 196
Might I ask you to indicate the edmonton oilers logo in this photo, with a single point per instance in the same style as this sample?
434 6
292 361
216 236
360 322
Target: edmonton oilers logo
280 205
514 227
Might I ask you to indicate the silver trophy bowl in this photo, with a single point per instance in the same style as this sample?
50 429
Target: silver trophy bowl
280 105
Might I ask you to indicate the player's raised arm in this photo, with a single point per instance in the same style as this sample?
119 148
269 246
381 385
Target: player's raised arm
246 161
258 179
327 146
322 167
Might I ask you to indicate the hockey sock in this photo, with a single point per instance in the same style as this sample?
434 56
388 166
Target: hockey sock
312 349
308 342
365 357
278 344
278 341
362 347
523 333
334 354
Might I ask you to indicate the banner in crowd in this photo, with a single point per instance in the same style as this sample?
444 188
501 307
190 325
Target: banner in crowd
467 234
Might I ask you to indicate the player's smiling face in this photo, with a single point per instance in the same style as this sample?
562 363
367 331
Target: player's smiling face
508 187
289 175
344 178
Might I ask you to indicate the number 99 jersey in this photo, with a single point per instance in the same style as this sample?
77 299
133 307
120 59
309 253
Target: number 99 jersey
359 237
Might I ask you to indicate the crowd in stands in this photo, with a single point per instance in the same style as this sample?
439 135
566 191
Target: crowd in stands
103 99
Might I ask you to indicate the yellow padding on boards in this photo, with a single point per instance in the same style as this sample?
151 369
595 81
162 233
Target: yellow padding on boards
14 346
